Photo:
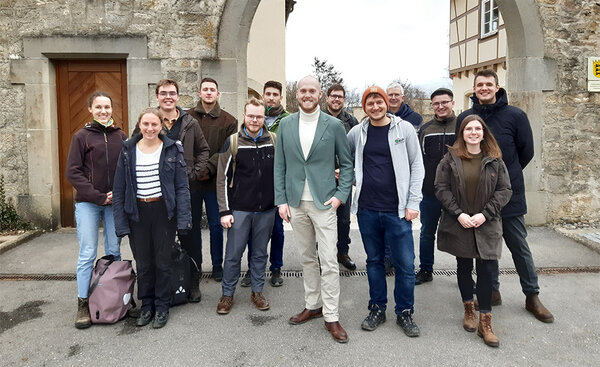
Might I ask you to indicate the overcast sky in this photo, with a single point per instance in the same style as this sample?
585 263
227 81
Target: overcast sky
371 42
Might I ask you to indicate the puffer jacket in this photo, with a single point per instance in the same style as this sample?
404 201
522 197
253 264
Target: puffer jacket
173 185
92 161
493 192
512 130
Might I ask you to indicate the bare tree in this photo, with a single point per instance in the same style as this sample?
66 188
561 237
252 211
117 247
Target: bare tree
413 96
291 103
326 73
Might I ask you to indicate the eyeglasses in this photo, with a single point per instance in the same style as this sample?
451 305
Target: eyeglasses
255 117
442 103
170 94
336 96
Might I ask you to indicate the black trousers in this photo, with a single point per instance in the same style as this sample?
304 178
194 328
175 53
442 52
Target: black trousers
485 269
151 242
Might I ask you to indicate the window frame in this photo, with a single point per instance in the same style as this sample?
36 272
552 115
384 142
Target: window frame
493 8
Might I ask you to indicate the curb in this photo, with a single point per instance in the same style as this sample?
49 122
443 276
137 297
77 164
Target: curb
10 244
576 235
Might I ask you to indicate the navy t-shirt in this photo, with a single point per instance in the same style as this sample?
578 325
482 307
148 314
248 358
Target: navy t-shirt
378 190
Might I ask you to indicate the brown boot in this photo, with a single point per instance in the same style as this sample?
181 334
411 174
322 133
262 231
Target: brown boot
485 330
83 319
259 301
470 319
535 306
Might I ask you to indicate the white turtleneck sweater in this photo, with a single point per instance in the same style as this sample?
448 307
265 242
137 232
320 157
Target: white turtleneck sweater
306 132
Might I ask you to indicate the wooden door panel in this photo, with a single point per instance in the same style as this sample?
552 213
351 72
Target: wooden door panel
76 80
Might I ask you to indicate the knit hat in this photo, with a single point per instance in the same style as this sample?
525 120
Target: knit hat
441 91
377 90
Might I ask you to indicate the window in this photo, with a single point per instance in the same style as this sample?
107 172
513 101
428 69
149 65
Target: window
489 18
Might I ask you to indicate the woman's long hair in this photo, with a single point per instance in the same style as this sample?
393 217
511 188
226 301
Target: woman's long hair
489 145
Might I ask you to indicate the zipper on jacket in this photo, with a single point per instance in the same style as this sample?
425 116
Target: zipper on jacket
107 163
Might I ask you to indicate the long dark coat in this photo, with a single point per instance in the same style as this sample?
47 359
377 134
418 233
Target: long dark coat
493 192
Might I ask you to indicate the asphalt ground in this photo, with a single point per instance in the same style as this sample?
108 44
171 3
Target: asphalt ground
36 316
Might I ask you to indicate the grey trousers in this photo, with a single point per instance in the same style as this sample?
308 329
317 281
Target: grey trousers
260 224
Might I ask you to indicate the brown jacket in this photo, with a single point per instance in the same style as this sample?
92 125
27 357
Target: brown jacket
493 192
216 125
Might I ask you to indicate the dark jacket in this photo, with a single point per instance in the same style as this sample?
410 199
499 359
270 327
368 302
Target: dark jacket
92 161
493 192
512 130
173 185
275 126
434 138
250 188
347 119
195 149
216 125
407 113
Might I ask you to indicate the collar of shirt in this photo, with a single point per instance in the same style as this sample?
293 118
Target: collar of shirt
255 139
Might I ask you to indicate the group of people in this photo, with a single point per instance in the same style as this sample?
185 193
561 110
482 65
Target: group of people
462 175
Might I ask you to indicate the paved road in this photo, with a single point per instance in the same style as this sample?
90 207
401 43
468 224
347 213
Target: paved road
36 318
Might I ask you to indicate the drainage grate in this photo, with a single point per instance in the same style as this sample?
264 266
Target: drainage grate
343 273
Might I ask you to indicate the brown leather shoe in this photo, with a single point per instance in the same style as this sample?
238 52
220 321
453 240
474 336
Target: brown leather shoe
337 331
259 301
535 306
470 319
306 315
225 304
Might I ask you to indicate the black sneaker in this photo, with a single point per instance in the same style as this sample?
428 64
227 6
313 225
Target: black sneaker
276 279
160 319
376 317
144 318
217 273
407 324
423 276
246 280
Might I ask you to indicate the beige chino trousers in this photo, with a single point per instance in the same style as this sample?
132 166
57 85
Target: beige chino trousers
319 263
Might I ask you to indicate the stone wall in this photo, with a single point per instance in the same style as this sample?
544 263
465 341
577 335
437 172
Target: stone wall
180 35
571 129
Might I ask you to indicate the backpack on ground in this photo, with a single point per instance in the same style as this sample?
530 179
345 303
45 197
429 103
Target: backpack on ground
182 275
111 290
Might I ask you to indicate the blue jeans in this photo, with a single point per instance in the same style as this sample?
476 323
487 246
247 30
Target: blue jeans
377 230
214 225
88 216
431 210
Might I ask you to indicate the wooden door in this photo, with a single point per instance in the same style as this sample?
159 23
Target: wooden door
76 80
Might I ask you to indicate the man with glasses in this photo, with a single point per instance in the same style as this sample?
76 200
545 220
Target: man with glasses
181 126
434 136
216 125
273 114
336 97
247 202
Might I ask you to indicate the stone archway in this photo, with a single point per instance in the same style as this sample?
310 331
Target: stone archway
230 67
530 73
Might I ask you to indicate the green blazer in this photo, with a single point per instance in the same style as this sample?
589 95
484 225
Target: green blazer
291 169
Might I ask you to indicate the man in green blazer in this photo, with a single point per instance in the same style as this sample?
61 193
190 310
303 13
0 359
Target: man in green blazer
308 144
